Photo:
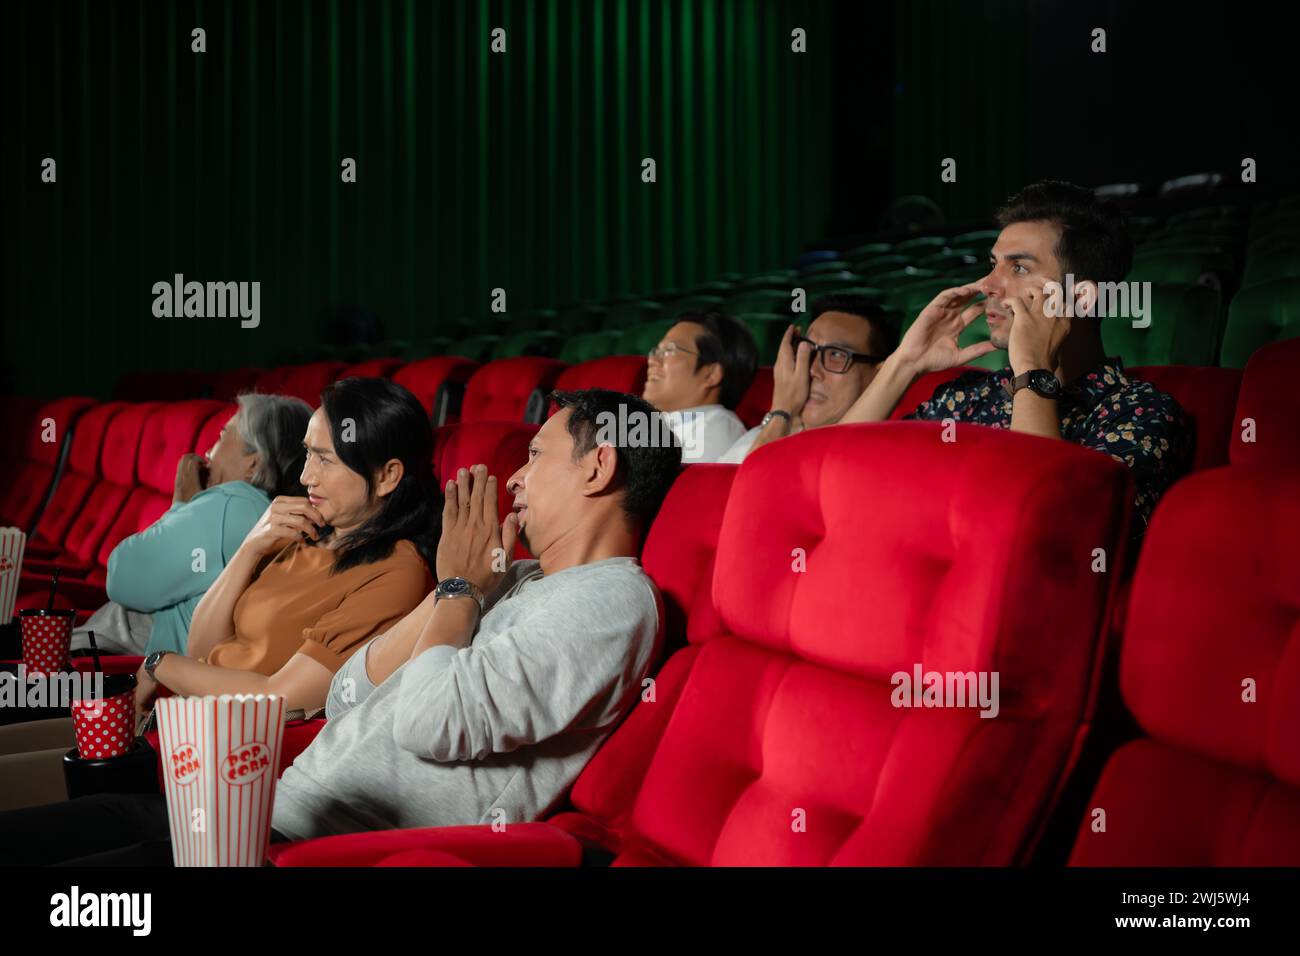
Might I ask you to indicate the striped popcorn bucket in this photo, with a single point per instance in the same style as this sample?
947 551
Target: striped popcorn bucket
12 543
220 758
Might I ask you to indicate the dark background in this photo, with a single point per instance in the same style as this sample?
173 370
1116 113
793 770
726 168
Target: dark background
522 170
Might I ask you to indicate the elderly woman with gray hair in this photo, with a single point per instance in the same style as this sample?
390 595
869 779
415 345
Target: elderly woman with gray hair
157 577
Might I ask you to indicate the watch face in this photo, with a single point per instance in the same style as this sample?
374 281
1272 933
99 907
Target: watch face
1045 384
454 586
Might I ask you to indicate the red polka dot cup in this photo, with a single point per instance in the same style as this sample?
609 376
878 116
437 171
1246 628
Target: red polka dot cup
47 640
103 715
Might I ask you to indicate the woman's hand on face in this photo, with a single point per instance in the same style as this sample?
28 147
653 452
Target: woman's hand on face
191 477
287 519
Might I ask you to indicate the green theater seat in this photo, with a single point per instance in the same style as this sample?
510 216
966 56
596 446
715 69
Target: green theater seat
476 347
1184 322
640 339
624 315
538 342
1190 266
767 330
1264 313
586 346
760 300
1270 266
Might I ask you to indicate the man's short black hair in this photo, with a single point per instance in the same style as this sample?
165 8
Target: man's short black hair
645 471
882 337
727 341
1094 242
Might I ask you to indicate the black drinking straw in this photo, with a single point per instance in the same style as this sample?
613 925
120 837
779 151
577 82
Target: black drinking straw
54 583
94 652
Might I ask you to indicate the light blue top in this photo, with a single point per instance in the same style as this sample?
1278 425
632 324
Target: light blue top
167 568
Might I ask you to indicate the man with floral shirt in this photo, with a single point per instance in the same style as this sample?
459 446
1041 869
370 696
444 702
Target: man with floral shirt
1060 383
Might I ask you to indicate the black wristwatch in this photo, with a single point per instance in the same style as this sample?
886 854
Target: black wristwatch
1039 381
458 588
151 662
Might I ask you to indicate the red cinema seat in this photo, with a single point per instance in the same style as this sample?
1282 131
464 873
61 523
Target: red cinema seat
879 552
438 382
374 368
1210 668
502 446
168 433
618 373
511 390
308 381
924 387
758 398
211 429
1268 408
1208 396
80 476
31 473
76 557
230 384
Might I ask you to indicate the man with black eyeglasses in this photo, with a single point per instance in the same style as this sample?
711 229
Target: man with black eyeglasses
819 376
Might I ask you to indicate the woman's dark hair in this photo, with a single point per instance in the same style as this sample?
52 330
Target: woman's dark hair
372 421
727 341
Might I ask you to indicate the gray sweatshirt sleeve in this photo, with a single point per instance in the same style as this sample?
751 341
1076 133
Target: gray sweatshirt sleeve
575 662
351 684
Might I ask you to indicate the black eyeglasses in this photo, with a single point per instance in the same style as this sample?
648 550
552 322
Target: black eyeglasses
834 358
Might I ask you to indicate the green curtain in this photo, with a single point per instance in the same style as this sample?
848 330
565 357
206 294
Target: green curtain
475 170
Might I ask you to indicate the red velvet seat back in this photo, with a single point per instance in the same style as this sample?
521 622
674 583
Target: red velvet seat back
211 429
31 473
1270 400
308 381
618 373
848 556
80 476
168 434
1208 396
117 470
757 400
1214 621
510 389
426 378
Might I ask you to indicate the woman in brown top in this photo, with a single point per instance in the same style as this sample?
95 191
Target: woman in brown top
318 576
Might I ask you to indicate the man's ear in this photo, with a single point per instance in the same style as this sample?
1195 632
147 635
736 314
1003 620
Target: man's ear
1085 298
713 378
603 469
388 477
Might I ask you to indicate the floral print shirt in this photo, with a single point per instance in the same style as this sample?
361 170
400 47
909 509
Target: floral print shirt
1128 419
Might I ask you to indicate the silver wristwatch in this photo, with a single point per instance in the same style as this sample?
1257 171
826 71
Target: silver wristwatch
775 413
458 588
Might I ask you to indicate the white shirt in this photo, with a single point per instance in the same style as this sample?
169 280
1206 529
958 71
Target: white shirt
706 432
737 452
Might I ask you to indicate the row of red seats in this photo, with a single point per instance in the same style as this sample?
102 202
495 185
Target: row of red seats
772 739
109 471
451 389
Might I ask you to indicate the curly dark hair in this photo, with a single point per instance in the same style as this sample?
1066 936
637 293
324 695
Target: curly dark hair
1094 242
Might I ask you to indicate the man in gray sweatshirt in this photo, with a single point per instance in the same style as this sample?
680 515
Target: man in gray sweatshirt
469 712
485 702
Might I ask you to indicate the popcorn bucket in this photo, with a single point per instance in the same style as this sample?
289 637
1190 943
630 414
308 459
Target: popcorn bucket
12 544
220 763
